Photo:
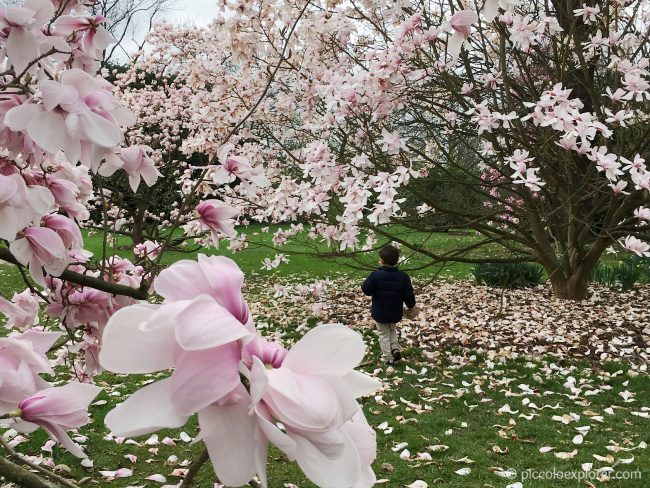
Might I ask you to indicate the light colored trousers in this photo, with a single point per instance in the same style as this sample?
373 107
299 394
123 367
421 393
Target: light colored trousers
387 340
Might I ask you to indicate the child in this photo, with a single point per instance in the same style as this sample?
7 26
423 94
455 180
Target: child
389 288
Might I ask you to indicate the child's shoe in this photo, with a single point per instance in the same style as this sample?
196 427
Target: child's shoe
396 355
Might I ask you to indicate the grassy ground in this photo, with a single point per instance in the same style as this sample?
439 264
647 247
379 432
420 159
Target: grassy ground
456 408
451 415
303 259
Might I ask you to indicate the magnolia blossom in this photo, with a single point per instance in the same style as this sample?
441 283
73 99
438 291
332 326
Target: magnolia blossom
59 409
138 164
312 393
66 228
22 359
391 142
461 25
21 311
637 246
76 114
233 167
218 217
147 249
96 38
21 27
203 331
20 205
40 248
643 214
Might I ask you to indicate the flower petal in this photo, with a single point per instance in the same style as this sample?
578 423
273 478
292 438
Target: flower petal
147 410
229 435
203 377
342 468
127 348
327 349
48 131
205 324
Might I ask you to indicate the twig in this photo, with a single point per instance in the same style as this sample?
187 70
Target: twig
194 468
46 472
90 281
22 477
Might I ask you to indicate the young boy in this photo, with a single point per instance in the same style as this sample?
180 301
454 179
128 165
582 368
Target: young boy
389 288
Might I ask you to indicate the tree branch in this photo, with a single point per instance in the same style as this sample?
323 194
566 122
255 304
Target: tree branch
89 281
22 477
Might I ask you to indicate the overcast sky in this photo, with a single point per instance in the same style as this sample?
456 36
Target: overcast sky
192 11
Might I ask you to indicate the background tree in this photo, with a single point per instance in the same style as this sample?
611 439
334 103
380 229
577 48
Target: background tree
538 111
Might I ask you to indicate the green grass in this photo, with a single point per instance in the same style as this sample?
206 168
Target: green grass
303 254
461 419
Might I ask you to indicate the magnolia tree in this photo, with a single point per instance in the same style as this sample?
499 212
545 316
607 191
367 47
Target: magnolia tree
62 133
537 110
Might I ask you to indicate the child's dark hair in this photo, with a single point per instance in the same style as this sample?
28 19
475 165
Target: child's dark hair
389 255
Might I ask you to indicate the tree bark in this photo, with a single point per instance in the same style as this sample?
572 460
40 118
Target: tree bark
575 287
22 477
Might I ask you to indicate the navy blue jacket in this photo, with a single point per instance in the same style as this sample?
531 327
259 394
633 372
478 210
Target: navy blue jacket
389 288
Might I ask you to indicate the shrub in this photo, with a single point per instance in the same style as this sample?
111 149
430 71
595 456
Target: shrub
625 274
508 275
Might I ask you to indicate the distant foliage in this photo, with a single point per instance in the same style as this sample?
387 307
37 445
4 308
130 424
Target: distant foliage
508 275
625 274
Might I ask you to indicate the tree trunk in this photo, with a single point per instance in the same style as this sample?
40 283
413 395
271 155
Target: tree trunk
575 287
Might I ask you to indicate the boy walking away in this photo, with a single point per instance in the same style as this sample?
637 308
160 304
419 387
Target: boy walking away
390 289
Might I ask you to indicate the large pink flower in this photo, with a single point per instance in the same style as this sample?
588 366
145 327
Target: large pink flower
218 217
20 205
233 167
313 395
21 25
461 25
40 248
216 276
66 228
22 358
96 38
59 409
21 311
138 164
193 331
77 115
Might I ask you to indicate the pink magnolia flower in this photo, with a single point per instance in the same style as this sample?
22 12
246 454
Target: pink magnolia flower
461 25
218 217
391 142
138 164
20 205
147 249
21 25
215 276
96 38
491 8
40 248
193 331
77 115
637 246
643 214
67 196
312 393
233 167
59 409
21 311
22 358
66 228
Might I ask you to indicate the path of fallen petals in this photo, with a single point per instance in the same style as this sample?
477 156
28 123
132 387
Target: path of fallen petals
488 398
463 317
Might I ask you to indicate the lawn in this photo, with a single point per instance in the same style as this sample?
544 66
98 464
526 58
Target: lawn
456 418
